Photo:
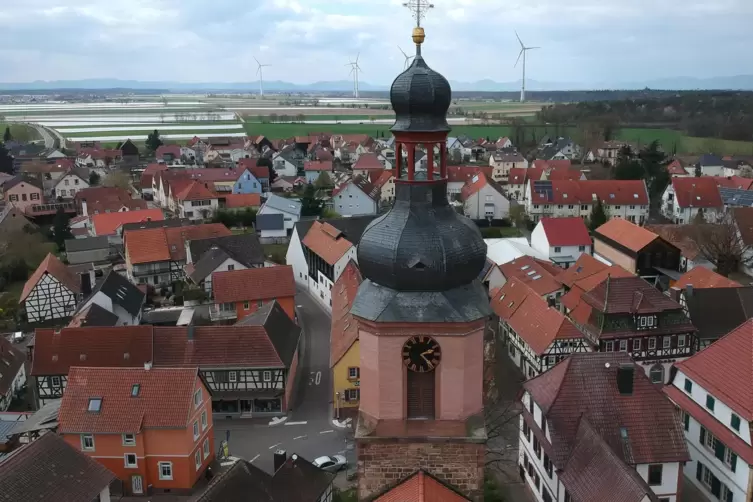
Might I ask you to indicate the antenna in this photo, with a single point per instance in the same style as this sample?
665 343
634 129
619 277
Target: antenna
419 9
260 72
523 50
407 58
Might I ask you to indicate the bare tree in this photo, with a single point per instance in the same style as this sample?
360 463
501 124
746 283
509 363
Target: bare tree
721 243
117 179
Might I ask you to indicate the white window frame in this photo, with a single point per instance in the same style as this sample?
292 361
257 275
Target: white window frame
266 376
623 345
205 448
84 437
636 344
129 439
165 477
135 461
195 430
232 376
352 376
609 346
652 343
681 341
197 459
204 421
56 379
197 398
666 342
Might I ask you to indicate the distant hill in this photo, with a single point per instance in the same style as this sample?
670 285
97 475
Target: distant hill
736 82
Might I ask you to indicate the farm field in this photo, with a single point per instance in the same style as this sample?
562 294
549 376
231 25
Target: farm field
20 132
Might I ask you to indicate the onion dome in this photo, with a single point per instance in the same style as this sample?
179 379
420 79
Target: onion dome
420 98
422 243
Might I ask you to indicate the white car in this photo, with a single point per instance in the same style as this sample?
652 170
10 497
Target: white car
333 463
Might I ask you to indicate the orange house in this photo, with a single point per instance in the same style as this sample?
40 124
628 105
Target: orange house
238 293
152 427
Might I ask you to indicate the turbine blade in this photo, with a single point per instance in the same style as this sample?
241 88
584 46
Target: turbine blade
519 40
518 60
531 48
257 61
358 56
401 50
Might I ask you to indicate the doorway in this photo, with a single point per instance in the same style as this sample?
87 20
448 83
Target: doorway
137 485
421 395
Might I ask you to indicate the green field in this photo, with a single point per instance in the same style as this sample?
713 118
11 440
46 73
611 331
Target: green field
198 131
20 132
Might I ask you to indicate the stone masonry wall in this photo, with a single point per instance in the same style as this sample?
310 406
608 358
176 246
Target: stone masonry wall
382 464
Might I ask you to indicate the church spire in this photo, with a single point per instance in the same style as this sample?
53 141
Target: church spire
419 8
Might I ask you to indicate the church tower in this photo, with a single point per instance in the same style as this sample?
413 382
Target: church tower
421 309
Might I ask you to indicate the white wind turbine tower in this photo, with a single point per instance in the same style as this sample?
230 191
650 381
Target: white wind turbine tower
523 50
260 72
407 58
354 69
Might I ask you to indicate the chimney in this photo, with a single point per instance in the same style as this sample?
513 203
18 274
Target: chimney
147 366
674 293
280 456
625 378
689 290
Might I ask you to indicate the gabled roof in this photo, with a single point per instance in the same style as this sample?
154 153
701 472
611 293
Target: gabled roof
611 192
531 317
461 174
11 360
195 191
702 277
735 182
420 486
164 244
243 248
352 228
107 200
48 468
581 285
327 242
527 270
681 236
12 183
281 329
626 234
367 161
92 315
640 428
122 292
270 221
566 231
553 164
317 165
476 183
743 217
628 295
241 200
253 284
55 352
344 331
675 168
725 371
87 244
383 178
157 405
290 206
585 266
717 311
53 266
108 223
697 192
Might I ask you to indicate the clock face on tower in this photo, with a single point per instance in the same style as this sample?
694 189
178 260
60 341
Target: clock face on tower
421 354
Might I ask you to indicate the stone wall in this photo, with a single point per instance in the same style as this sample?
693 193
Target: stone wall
383 464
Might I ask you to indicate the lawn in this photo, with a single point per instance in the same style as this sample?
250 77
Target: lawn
20 132
276 252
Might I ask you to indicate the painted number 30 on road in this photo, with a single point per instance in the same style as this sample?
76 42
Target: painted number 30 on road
315 378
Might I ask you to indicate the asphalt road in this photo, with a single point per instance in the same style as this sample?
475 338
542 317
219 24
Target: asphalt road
49 140
308 430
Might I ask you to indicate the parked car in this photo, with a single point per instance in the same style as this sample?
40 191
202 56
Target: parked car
331 464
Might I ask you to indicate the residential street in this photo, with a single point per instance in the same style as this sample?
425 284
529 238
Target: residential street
308 430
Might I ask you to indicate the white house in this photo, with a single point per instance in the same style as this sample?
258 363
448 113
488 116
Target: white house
70 183
12 372
290 209
502 162
51 292
537 334
356 197
685 197
595 429
484 199
120 297
284 163
194 201
561 240
711 390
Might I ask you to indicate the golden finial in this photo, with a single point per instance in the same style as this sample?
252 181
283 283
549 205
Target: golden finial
419 9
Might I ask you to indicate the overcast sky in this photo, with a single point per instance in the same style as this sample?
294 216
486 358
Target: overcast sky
586 41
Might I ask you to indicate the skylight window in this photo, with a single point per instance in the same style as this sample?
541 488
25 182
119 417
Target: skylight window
95 404
535 277
525 267
635 195
135 390
579 269
611 196
532 272
623 433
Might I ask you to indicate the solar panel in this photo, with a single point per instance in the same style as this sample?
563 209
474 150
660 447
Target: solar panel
736 197
543 187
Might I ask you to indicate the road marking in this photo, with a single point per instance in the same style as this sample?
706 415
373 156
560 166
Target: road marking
299 437
275 445
315 378
326 432
341 452
296 423
255 457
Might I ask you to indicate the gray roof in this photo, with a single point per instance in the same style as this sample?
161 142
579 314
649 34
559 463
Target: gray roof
122 292
290 206
281 330
6 427
208 264
21 179
270 222
420 97
163 316
94 315
45 417
87 244
717 311
243 248
709 159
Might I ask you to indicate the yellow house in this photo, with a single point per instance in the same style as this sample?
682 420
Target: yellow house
344 352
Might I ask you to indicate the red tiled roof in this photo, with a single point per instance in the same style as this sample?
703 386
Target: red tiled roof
566 231
327 242
344 331
520 175
319 165
697 192
461 174
421 487
240 200
702 277
675 168
12 359
163 244
108 223
725 371
253 284
743 218
530 272
531 317
215 347
585 266
53 266
611 192
123 346
384 177
626 233
165 399
628 295
195 191
566 164
585 386
587 283
368 161
174 150
733 182
473 185
260 172
148 174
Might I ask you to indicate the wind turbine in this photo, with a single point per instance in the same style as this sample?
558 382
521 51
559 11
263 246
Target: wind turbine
523 50
260 72
354 69
407 58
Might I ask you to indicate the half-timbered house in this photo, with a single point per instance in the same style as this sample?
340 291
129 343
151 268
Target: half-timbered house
537 335
627 314
51 293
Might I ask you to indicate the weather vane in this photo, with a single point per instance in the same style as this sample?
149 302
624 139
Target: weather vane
419 9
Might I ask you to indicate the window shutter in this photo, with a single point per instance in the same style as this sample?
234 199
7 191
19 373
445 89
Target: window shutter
703 436
733 462
699 471
719 449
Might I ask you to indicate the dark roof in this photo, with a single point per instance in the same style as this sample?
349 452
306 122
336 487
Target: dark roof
269 222
717 311
297 480
169 223
93 315
122 292
641 427
243 248
628 295
12 359
208 263
352 228
88 244
169 315
420 97
281 330
51 469
21 179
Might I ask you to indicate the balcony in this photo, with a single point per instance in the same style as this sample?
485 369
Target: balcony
141 270
222 312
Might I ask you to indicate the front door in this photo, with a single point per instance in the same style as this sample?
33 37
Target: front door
137 485
246 406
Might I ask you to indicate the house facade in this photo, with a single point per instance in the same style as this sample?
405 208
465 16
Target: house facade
239 293
51 293
356 197
684 198
562 240
289 209
484 199
23 193
69 184
345 355
502 162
